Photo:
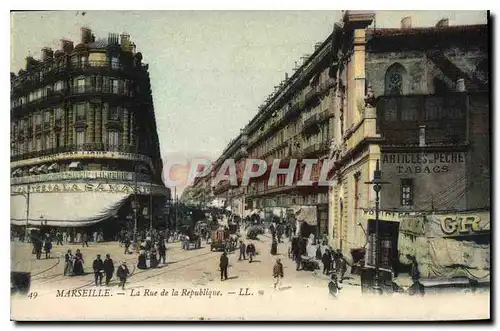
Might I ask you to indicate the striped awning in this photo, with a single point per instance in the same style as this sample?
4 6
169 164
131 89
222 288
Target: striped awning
65 209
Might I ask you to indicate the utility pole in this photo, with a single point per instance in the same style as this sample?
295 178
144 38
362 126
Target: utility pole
151 205
377 187
135 207
27 196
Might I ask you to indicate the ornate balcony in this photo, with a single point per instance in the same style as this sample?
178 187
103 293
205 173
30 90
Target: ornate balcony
97 147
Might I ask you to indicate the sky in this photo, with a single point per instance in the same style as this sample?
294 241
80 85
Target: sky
210 70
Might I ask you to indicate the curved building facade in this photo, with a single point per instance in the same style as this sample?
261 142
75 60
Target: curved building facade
84 143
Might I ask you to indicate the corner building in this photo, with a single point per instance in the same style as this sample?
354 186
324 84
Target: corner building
84 143
416 100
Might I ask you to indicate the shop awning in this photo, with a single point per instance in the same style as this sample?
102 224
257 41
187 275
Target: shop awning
306 214
32 170
16 172
65 209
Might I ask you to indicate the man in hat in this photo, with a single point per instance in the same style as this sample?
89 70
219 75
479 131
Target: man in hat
278 272
224 263
109 268
98 267
122 273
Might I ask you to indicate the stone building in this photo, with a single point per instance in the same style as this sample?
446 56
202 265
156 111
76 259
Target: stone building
84 138
417 100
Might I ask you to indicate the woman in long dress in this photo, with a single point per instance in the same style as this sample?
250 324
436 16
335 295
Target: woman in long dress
78 264
141 260
68 265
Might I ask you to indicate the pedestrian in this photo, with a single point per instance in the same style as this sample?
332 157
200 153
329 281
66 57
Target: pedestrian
38 244
327 260
153 258
278 273
141 260
78 264
59 238
242 251
47 247
333 286
68 263
122 273
224 263
274 247
250 252
109 268
318 253
416 288
98 267
162 250
85 240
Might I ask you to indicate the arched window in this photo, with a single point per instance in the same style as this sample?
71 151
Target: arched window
395 80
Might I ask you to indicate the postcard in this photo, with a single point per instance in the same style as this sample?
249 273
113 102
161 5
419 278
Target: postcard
250 165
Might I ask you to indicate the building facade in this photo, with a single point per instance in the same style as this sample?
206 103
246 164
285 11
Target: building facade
416 100
84 143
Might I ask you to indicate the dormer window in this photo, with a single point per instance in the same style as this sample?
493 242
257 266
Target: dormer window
115 62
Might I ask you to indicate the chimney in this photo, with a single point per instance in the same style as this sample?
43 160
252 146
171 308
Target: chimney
66 46
125 42
286 76
406 22
86 35
317 46
113 39
443 23
47 53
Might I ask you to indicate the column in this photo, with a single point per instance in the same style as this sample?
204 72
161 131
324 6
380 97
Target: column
104 116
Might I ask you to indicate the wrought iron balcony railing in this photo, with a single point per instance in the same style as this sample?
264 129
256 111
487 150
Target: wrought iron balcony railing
95 147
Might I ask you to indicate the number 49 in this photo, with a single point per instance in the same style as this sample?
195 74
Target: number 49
33 295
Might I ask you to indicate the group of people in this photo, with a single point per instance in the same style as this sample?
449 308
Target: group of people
156 252
332 260
74 266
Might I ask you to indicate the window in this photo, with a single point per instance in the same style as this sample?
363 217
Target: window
93 83
38 119
81 60
80 112
47 117
115 63
80 137
58 140
59 86
113 113
30 146
38 144
24 147
58 114
407 192
113 140
395 80
45 142
114 86
80 83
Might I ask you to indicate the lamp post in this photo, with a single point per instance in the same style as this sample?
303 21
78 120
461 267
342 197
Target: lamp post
377 187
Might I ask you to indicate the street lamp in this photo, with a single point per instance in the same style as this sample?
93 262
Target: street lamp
377 187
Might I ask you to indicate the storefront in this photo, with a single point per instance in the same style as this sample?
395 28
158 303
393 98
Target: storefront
85 204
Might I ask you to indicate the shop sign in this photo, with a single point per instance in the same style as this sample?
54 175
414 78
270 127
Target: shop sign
68 175
462 225
76 155
423 163
389 215
123 188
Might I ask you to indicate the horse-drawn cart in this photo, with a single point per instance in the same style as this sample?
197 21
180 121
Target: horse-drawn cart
220 240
